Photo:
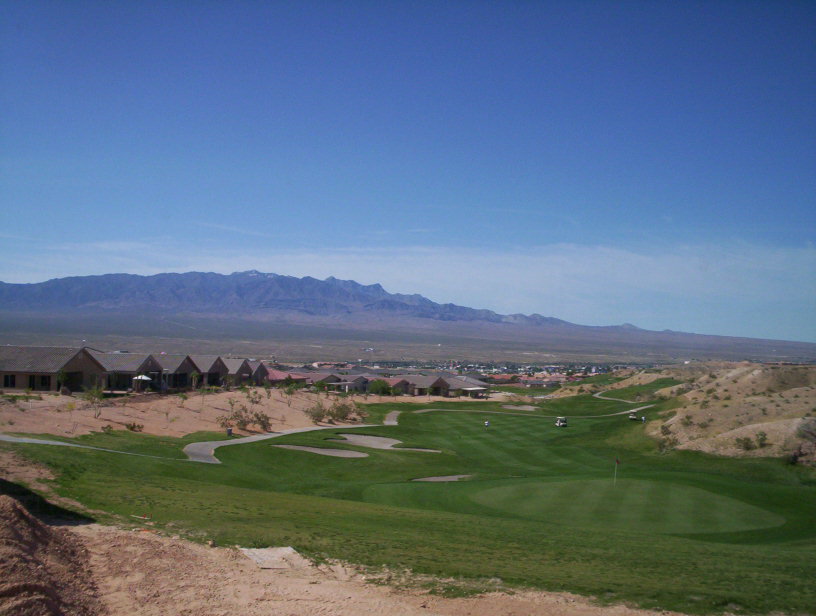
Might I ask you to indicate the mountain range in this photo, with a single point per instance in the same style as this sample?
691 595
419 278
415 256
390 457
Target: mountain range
259 305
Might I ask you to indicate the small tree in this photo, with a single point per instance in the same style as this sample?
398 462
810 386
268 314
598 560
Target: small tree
379 387
182 398
62 376
194 378
289 392
94 396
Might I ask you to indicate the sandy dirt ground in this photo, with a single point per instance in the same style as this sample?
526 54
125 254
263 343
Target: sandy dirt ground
165 415
142 573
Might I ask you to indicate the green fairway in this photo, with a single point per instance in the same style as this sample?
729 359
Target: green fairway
541 508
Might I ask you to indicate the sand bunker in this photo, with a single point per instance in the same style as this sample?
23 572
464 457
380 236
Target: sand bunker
43 570
379 442
519 407
337 453
443 478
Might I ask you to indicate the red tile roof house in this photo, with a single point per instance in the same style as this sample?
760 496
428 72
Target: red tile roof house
41 368
122 368
212 369
279 376
397 384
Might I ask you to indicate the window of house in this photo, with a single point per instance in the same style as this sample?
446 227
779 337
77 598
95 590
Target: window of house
9 380
32 381
45 381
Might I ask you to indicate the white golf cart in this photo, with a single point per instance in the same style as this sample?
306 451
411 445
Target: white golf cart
560 422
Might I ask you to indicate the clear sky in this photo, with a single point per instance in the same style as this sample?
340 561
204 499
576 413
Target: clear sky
601 162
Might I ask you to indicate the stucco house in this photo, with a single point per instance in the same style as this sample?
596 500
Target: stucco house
42 368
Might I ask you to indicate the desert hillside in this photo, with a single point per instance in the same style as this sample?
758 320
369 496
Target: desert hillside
163 415
743 410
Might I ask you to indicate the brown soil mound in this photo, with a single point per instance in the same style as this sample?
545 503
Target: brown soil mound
43 570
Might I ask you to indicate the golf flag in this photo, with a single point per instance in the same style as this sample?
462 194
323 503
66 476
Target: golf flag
615 480
617 461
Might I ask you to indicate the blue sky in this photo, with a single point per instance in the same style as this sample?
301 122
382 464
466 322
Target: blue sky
601 162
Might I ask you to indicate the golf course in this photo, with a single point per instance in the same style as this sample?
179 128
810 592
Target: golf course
595 508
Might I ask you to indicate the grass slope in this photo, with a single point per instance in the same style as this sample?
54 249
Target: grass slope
681 531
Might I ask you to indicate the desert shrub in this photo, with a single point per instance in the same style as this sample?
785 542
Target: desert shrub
341 411
665 430
746 443
182 398
667 444
108 429
687 421
807 430
261 420
134 427
762 440
316 412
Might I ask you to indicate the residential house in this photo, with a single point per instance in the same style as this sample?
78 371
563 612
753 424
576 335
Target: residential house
350 384
122 368
279 376
212 369
425 385
461 385
397 384
238 370
259 372
176 370
49 368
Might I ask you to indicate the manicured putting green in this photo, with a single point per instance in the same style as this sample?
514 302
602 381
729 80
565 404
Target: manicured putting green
631 504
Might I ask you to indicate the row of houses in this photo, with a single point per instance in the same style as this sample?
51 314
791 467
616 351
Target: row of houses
79 368
440 384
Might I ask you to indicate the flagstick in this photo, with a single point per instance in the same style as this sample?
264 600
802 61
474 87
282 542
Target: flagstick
615 482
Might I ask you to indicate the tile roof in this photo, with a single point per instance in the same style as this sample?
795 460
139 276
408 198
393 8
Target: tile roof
171 363
35 359
234 364
120 362
204 362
